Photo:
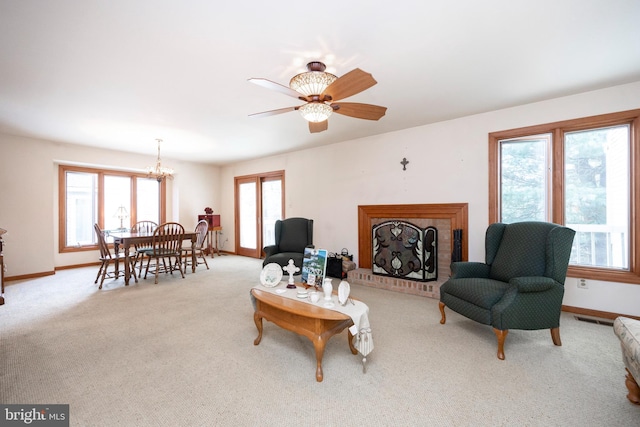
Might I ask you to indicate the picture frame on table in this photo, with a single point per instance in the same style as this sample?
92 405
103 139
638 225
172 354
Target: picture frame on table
314 266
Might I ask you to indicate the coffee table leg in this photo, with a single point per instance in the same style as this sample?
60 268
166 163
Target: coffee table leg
258 321
319 344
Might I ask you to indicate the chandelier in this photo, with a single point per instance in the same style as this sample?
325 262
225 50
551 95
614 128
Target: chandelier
158 172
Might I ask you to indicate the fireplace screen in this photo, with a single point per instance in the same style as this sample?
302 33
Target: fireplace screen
404 250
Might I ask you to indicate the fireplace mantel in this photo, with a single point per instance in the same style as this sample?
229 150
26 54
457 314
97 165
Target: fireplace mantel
455 212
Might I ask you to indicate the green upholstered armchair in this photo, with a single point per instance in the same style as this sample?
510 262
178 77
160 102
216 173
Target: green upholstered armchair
292 235
521 283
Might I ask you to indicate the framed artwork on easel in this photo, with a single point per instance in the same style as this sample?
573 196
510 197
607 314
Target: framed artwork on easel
314 266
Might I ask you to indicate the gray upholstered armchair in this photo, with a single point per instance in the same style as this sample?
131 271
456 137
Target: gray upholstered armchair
292 235
521 283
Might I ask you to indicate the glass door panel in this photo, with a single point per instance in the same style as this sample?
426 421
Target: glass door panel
248 210
271 209
259 203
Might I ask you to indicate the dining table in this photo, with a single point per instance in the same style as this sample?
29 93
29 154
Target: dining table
126 239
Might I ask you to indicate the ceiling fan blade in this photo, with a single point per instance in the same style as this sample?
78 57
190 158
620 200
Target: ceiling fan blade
353 82
360 111
278 87
318 127
273 112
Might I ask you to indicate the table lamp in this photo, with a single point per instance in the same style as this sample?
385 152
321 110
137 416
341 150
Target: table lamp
121 214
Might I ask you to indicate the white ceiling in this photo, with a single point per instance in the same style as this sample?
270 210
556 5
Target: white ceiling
120 73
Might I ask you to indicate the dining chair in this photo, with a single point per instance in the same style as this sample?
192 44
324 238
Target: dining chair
106 257
202 228
146 227
166 245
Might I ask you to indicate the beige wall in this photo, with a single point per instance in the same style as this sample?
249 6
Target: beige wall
448 164
29 201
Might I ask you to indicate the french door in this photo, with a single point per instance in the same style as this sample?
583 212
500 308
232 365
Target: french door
259 203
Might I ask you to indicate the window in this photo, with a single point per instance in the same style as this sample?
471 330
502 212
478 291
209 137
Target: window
596 165
524 179
580 173
113 199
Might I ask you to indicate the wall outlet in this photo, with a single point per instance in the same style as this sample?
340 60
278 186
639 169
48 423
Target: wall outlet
582 284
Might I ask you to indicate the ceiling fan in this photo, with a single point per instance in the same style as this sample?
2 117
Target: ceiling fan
322 92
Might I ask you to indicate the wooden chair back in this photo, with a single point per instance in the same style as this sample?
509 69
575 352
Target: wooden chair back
147 227
105 252
202 228
167 239
144 227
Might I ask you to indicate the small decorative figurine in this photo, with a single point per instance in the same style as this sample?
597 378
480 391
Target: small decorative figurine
291 269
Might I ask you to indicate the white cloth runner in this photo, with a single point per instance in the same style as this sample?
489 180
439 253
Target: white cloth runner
358 311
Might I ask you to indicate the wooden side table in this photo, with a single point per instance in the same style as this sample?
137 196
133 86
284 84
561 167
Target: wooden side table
212 240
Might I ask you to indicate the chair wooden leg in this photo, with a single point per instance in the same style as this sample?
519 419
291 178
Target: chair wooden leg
444 318
204 259
501 335
179 265
141 261
105 265
147 269
133 271
555 336
634 390
99 272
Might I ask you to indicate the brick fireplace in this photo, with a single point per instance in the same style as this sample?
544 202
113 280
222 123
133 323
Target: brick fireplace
444 217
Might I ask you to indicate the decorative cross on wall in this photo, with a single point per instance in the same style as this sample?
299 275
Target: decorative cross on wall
404 163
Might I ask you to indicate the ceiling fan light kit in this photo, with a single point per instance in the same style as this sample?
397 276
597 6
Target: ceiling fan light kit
315 112
322 92
312 82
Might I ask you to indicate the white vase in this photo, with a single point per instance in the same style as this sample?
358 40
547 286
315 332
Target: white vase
327 288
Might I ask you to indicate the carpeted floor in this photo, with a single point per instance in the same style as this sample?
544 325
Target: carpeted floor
181 353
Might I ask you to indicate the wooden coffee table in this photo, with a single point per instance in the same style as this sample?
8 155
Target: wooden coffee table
316 323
